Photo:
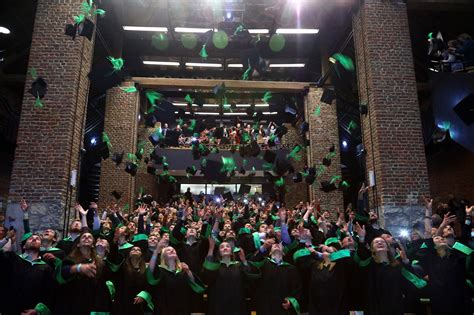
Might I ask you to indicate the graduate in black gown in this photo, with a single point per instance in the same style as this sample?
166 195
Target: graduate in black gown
83 277
384 276
226 280
172 283
132 295
278 289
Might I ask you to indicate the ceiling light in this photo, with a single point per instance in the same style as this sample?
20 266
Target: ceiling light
4 30
235 65
261 105
259 31
270 113
207 113
243 105
210 105
145 28
187 113
287 65
203 64
235 114
183 104
297 31
161 63
192 30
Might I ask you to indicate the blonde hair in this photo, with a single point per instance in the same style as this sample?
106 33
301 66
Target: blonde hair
163 260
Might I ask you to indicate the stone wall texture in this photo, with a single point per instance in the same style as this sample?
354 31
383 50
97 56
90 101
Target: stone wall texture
121 125
49 138
323 132
143 179
392 133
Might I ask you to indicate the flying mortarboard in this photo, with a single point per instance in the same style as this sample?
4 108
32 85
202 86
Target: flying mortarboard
117 195
327 186
131 168
118 158
328 96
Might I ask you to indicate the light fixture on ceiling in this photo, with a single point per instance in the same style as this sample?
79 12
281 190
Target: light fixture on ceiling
161 63
287 65
234 114
235 65
206 113
203 64
297 31
145 28
270 113
259 31
4 30
192 30
210 105
261 105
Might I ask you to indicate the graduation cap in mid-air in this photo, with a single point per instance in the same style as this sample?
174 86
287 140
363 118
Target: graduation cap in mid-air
118 158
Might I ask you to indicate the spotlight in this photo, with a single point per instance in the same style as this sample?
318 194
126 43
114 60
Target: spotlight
193 139
404 233
259 198
94 141
246 201
218 200
228 16
4 30
263 203
344 144
139 116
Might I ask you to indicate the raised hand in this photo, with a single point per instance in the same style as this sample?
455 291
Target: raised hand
286 304
138 300
23 205
141 209
428 202
88 270
360 230
469 210
81 210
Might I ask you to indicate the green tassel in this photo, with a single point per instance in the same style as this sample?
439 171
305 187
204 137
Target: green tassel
99 12
141 190
126 207
203 52
117 63
247 72
280 182
129 89
430 36
180 121
330 155
86 7
106 140
267 96
267 166
153 96
79 18
38 103
34 74
294 154
188 99
334 179
192 125
345 184
317 111
345 61
239 29
352 126
228 164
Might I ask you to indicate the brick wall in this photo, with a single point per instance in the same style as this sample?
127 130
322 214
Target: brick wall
295 192
49 139
323 132
392 130
121 119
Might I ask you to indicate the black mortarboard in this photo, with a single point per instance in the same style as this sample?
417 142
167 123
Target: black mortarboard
117 158
38 87
282 166
165 112
310 179
281 131
172 138
297 177
219 90
364 110
326 162
219 133
327 186
465 109
304 127
117 195
86 29
269 156
71 30
154 138
268 176
244 189
100 151
328 96
199 100
332 148
150 120
151 170
250 111
228 196
131 168
212 172
191 170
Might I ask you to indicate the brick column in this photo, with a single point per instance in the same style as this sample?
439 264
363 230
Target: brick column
121 123
49 139
295 192
392 130
323 132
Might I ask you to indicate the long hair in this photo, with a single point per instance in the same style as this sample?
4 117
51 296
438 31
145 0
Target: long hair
129 266
77 257
163 260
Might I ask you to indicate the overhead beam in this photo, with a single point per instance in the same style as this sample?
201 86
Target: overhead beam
208 84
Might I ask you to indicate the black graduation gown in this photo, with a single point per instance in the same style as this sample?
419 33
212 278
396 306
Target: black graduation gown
447 288
24 284
66 245
127 286
383 285
172 291
277 282
226 286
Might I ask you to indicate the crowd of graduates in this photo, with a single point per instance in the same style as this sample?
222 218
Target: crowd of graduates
234 257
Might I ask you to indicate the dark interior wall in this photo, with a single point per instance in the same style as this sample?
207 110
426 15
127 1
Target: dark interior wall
451 171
